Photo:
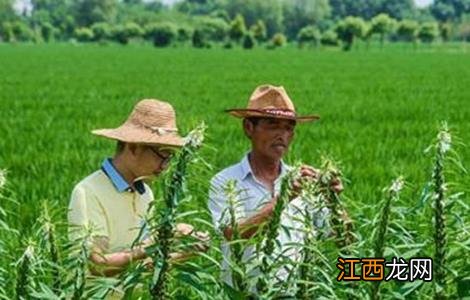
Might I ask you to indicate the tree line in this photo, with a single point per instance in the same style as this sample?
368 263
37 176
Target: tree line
234 23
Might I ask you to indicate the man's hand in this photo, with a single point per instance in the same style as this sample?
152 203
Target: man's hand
337 185
203 240
309 173
183 229
186 230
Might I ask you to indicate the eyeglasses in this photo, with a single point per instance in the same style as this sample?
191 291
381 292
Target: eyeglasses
165 159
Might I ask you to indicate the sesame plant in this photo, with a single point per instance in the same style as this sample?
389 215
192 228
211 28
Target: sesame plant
382 224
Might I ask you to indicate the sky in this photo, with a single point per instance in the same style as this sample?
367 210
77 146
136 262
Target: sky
20 5
422 3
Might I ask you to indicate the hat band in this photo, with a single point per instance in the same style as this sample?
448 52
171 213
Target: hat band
161 130
280 112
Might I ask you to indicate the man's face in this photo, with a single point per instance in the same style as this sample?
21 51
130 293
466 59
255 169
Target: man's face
270 137
150 161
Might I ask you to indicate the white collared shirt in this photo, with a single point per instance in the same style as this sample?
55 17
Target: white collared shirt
253 195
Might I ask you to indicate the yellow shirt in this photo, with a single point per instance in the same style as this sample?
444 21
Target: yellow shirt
113 214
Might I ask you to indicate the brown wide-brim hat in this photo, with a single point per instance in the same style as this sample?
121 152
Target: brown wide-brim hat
152 122
268 101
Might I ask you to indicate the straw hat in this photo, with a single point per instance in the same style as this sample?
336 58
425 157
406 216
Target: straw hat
268 101
151 122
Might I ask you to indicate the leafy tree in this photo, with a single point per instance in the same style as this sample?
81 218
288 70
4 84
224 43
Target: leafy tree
329 38
259 31
428 32
6 32
367 9
162 34
278 40
22 32
124 33
349 30
101 31
397 9
301 13
184 33
270 11
382 25
87 12
55 12
7 13
450 10
237 28
197 7
198 40
220 14
463 32
309 35
248 41
48 32
445 30
407 30
83 34
443 12
213 29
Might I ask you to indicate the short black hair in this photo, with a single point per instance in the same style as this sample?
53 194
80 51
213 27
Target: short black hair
120 145
253 120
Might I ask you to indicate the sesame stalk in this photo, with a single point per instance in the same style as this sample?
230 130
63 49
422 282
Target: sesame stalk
49 234
442 146
236 247
79 267
25 273
172 197
272 227
393 194
305 278
340 223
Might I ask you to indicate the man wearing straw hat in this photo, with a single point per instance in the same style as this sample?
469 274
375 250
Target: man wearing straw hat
113 200
269 122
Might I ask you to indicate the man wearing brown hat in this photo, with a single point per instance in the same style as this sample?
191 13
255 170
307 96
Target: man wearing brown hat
113 200
269 122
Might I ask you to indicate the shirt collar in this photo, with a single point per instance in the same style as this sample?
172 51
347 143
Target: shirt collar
246 167
118 181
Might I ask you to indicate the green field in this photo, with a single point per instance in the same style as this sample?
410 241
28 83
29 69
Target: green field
379 111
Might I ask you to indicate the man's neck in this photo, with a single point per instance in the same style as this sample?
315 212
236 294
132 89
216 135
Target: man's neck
121 167
264 168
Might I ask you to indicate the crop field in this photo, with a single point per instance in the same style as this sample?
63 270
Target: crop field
380 110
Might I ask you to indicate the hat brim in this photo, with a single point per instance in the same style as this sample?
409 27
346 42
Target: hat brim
247 113
130 134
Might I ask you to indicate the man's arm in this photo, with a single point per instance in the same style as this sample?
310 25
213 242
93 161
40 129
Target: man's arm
248 227
110 264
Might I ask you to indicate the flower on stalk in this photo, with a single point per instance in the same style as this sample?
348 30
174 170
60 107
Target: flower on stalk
196 137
